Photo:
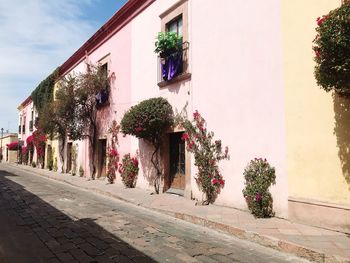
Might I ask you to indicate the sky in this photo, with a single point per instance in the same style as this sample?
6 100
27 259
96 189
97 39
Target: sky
36 36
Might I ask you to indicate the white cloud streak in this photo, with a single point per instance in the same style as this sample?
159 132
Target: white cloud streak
36 36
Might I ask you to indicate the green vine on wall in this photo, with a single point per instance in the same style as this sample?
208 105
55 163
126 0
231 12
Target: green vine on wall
43 93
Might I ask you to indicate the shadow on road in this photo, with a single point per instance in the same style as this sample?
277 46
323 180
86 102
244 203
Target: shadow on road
31 230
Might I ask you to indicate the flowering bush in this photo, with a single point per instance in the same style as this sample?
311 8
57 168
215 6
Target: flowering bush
13 146
112 167
259 176
129 169
39 140
332 50
113 155
30 142
25 155
207 155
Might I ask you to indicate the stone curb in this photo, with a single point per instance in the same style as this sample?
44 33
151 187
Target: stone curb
267 241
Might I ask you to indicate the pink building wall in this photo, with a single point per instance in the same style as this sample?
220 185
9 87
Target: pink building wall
237 62
144 78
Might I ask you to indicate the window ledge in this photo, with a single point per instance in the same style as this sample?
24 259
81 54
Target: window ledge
181 77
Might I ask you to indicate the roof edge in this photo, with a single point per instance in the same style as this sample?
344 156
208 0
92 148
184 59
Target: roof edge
123 16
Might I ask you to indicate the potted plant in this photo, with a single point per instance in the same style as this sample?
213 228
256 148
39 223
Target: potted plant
169 49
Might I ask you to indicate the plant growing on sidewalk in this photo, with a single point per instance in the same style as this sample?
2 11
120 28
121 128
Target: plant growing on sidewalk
33 164
149 120
55 167
207 154
113 155
25 155
129 169
50 162
332 50
259 176
81 171
74 154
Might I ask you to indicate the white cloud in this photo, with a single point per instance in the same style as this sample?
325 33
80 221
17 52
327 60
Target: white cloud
36 36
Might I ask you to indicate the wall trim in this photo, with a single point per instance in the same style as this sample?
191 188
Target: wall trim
318 203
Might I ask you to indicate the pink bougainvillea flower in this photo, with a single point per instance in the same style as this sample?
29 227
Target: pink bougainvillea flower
185 137
320 20
138 129
258 197
222 182
196 115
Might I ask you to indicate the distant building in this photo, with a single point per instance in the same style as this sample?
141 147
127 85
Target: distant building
8 155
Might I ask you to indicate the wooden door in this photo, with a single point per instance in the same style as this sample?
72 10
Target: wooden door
177 161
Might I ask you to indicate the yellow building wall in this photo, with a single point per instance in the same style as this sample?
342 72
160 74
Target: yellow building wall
318 123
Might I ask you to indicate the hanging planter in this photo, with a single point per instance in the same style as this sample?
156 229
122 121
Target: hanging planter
169 49
332 50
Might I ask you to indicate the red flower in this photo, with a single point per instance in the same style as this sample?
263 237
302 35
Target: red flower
139 129
190 145
222 182
135 161
113 153
258 197
185 137
320 20
214 181
196 115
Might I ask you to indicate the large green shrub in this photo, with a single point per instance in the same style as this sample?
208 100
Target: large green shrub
259 176
149 120
332 50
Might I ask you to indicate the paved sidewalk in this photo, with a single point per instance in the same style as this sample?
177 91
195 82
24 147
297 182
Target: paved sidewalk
313 243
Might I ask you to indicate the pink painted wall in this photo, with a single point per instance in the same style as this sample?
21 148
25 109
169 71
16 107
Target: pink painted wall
235 61
237 85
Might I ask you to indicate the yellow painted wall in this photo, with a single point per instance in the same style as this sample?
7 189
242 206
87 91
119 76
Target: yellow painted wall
318 123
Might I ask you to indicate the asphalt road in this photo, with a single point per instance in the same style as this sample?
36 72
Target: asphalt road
42 220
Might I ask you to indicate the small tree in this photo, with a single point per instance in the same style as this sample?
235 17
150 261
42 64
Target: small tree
58 117
74 111
332 50
90 85
149 120
207 154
